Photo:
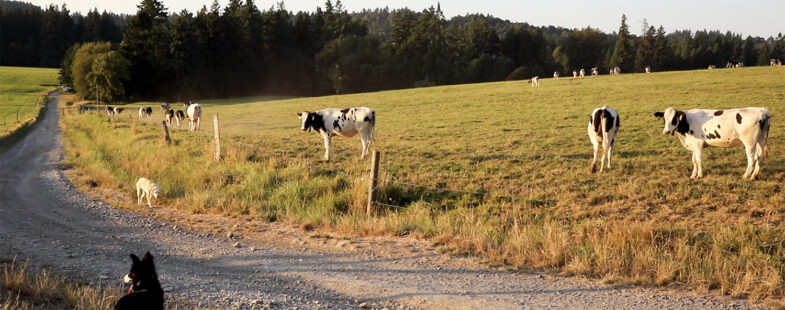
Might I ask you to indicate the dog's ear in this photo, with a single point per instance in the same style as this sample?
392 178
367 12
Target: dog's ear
659 114
135 259
147 258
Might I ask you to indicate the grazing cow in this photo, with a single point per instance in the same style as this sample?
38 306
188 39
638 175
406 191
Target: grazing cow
556 75
574 73
603 125
165 107
145 112
712 67
169 116
118 110
699 128
535 81
774 62
342 122
109 111
194 112
179 116
615 71
595 71
647 69
582 72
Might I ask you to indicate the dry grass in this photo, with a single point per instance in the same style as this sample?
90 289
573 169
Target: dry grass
20 288
520 158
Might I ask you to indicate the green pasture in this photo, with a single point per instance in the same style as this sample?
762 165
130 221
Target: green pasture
22 95
502 171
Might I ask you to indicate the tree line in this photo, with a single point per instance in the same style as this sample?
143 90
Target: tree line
241 49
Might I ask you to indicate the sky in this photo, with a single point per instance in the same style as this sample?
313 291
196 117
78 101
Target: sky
762 18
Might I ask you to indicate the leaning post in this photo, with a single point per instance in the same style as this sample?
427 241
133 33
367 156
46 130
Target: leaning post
166 133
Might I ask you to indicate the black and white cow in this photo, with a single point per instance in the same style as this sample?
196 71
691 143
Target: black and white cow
169 116
603 125
179 116
194 112
145 112
699 128
342 122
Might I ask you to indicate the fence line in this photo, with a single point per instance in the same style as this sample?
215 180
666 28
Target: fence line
286 156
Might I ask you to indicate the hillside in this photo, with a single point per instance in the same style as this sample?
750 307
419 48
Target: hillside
499 170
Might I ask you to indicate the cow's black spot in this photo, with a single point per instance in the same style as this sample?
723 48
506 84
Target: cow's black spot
692 133
344 111
618 123
683 126
718 113
336 125
609 122
597 117
717 134
718 126
710 136
367 119
738 118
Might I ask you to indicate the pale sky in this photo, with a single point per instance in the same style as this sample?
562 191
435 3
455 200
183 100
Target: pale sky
751 17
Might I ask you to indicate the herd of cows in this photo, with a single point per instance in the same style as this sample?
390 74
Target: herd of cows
695 129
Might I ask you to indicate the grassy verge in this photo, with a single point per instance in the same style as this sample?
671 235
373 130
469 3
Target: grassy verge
22 99
21 288
519 158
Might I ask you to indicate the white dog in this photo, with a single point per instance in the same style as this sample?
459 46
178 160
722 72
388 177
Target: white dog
145 187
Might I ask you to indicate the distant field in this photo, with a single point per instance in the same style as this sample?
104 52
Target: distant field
518 159
22 94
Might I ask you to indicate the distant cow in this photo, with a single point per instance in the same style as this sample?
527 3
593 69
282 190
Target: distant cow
194 113
647 69
165 107
603 125
145 112
595 71
535 81
169 116
342 122
615 71
582 72
698 128
556 75
110 111
712 67
774 62
574 73
179 116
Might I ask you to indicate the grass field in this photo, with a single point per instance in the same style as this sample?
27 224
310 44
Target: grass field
518 161
22 95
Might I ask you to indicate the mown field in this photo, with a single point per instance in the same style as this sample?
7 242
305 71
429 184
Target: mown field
504 173
22 95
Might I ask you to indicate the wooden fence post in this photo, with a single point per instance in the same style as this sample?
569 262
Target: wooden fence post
166 133
217 138
17 114
374 180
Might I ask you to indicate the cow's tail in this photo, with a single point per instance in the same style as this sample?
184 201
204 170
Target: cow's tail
598 122
604 129
373 127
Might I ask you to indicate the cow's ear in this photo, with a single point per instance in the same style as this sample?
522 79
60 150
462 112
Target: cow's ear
659 114
299 114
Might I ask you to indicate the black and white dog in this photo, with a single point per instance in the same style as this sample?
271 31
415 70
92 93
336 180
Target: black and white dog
145 291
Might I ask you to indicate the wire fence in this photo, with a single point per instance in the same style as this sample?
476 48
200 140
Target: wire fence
363 175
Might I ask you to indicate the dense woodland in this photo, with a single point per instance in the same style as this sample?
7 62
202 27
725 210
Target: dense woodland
241 49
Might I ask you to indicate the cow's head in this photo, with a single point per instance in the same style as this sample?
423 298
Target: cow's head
674 120
307 119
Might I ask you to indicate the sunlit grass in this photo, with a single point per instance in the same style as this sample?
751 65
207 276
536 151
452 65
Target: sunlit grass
518 159
22 95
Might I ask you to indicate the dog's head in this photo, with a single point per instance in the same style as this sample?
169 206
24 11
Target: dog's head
156 192
142 275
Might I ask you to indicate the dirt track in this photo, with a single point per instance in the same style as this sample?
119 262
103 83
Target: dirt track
43 218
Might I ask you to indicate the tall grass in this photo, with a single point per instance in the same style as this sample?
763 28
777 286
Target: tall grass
22 289
519 160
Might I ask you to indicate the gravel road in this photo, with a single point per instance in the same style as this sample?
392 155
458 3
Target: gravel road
45 219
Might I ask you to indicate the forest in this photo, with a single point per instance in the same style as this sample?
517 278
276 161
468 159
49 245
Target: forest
241 49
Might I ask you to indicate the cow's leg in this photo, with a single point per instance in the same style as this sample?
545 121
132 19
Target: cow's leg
327 147
752 157
610 148
694 166
698 162
365 147
594 161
